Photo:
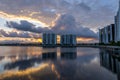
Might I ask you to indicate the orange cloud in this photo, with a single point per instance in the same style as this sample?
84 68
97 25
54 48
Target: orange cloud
80 39
40 72
20 17
20 40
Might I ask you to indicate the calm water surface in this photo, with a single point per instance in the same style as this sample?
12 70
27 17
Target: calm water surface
37 63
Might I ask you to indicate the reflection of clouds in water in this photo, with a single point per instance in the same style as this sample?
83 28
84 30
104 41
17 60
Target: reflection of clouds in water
23 64
18 55
44 72
87 51
66 69
87 56
92 70
31 51
95 60
88 65
82 67
3 62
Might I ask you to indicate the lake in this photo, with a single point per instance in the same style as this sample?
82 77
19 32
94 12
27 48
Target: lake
37 63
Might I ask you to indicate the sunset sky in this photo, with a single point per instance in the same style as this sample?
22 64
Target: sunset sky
25 20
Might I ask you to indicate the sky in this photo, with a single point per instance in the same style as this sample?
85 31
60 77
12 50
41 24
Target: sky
26 20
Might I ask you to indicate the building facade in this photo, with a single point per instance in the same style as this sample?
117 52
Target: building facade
68 39
107 34
111 33
117 25
49 39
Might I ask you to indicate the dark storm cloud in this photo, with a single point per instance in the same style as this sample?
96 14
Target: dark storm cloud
26 26
64 24
19 34
67 24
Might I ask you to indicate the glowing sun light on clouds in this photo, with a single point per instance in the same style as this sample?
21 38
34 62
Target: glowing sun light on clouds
10 17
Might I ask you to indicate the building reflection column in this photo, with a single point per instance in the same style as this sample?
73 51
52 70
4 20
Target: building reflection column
68 53
67 66
118 74
49 53
110 60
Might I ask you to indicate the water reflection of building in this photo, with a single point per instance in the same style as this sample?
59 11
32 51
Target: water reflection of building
67 66
110 60
23 62
68 53
49 53
118 72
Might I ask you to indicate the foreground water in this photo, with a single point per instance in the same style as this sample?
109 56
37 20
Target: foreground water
36 63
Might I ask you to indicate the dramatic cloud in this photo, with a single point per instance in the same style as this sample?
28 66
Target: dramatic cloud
92 14
19 34
9 37
67 24
81 17
26 26
64 24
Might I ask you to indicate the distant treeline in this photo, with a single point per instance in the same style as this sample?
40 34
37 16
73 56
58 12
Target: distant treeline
40 44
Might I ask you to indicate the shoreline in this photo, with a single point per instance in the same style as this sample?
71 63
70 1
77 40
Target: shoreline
58 45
